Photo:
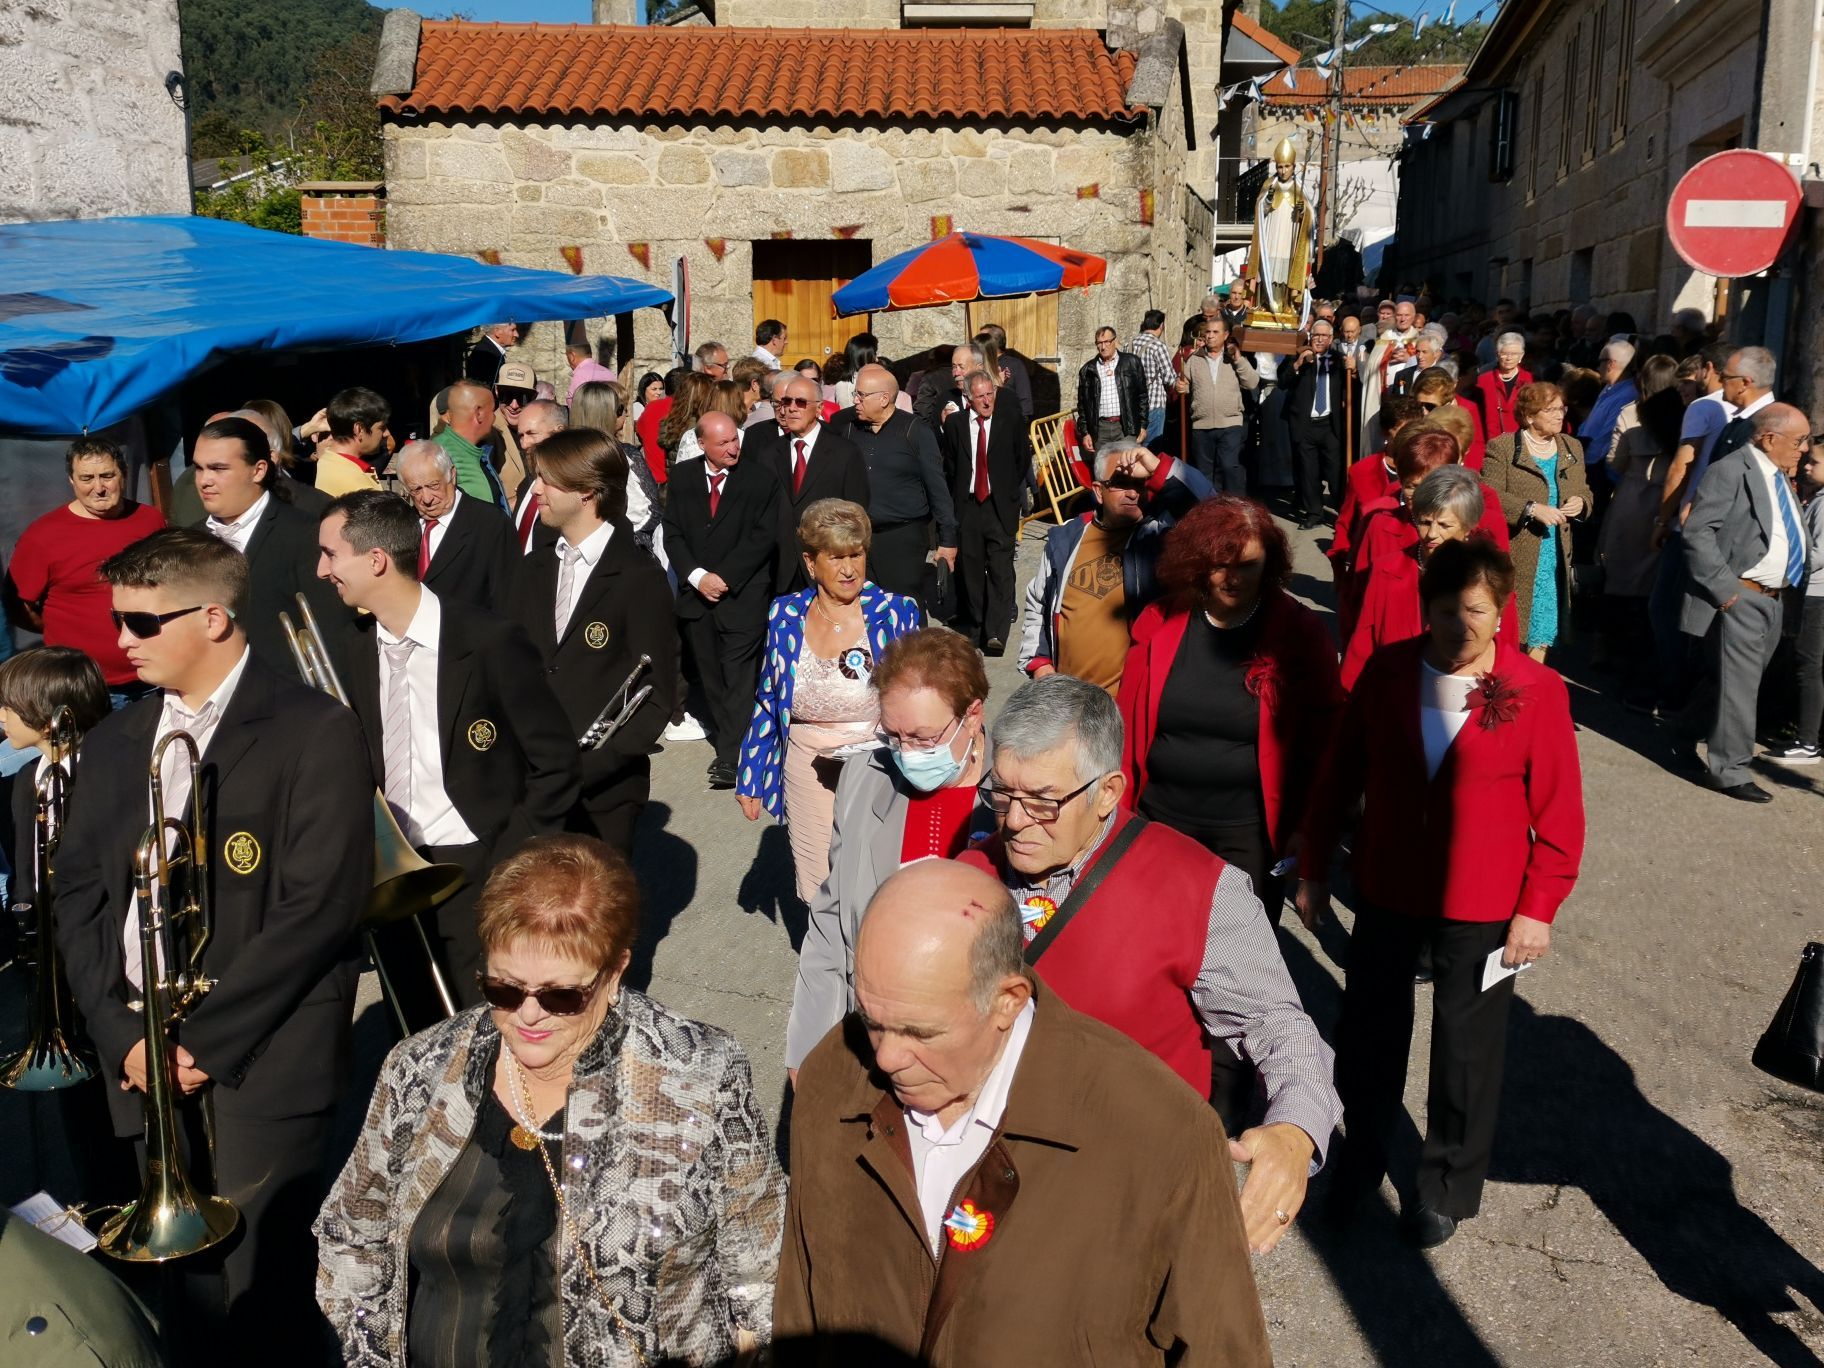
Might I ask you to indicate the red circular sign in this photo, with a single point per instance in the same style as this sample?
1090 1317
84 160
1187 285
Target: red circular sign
1733 214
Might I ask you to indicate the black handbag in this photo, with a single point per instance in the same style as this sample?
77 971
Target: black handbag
1791 1047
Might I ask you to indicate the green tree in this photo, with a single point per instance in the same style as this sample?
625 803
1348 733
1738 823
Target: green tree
1305 24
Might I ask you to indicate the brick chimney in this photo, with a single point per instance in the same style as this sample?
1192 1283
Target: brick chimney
345 211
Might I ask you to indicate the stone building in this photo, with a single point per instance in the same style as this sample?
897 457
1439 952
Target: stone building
782 161
1545 174
90 119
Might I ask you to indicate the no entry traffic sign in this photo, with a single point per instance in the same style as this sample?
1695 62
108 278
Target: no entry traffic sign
1733 214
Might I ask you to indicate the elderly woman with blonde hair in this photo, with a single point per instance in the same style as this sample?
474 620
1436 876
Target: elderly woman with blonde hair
815 705
568 1174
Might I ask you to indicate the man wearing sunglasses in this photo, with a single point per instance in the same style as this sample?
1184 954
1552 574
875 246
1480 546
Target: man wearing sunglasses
290 849
810 462
1152 934
465 738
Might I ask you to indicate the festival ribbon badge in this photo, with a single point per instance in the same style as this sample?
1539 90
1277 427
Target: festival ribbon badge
642 253
967 1227
573 258
1034 913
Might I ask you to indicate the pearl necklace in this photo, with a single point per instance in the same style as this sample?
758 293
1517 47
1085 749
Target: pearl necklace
1210 618
524 1134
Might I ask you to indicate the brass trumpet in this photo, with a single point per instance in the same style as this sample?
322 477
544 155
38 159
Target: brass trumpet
405 883
52 1058
621 705
170 1219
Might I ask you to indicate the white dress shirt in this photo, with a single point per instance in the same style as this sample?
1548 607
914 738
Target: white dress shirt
942 1158
587 555
981 432
709 475
1443 709
443 525
1770 570
433 818
238 532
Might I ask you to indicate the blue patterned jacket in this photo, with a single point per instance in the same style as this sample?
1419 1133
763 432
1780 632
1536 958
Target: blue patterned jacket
761 773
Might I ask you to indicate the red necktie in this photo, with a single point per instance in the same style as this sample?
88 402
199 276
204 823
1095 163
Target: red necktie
424 548
981 461
715 491
798 469
528 520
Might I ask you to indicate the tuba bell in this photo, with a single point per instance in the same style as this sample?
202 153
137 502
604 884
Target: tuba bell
170 1219
405 883
53 1057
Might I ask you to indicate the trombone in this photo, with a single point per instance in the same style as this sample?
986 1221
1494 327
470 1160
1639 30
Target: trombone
51 1058
619 707
170 1219
405 883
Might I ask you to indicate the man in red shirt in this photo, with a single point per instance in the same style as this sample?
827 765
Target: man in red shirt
56 567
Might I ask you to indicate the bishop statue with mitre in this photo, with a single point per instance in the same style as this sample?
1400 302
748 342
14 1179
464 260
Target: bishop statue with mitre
1279 258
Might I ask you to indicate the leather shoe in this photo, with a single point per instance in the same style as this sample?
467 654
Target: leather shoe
1749 792
1310 523
995 649
721 775
1424 1228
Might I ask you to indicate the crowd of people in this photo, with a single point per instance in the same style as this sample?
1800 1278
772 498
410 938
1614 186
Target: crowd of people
1041 996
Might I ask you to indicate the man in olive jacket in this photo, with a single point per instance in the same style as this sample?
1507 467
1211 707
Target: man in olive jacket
1029 1186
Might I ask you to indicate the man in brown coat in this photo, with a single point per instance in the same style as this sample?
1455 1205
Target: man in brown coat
1028 1186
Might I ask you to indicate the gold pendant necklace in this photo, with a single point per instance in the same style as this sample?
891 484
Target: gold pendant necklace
524 1134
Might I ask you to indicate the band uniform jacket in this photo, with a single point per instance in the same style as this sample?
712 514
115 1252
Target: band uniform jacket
474 560
836 470
1116 1234
625 612
509 756
1008 456
282 563
289 806
741 543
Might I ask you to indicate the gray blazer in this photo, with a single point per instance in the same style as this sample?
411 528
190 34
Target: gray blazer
867 831
1729 529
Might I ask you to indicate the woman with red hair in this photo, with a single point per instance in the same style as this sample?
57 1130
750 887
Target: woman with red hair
1228 693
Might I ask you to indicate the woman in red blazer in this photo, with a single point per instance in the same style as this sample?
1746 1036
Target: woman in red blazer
1370 486
1436 391
1448 505
1461 753
1495 389
1229 693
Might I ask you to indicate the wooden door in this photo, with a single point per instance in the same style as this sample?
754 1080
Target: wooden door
793 282
1031 322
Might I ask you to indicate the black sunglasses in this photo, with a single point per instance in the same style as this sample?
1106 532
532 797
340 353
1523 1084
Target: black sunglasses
145 626
507 997
790 401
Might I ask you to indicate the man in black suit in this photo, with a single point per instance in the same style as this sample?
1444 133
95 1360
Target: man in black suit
489 352
810 463
986 455
465 738
465 547
594 602
1316 408
286 801
244 503
722 535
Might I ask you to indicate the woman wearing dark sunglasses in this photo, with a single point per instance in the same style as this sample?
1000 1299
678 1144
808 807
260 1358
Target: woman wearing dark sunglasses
568 1174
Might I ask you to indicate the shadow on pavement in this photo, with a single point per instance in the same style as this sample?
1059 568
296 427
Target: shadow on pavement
1573 1115
770 886
667 868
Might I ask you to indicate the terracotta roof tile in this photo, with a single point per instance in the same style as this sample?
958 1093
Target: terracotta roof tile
1254 29
1393 87
603 71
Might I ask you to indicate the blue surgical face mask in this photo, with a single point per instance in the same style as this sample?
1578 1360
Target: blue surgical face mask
929 770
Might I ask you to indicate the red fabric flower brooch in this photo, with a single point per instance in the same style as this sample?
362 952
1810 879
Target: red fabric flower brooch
1496 699
1262 680
968 1227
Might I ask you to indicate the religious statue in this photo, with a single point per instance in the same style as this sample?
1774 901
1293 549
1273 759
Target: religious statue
1279 258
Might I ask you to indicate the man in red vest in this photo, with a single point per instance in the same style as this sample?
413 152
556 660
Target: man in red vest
1147 931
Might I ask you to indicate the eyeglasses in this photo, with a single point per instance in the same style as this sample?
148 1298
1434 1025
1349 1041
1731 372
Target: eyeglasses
508 997
869 394
1429 404
1727 376
918 744
1044 811
145 626
789 402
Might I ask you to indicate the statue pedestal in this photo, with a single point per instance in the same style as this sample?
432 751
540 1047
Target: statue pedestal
1263 332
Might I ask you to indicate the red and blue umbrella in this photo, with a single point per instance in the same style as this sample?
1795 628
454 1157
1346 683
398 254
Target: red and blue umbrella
963 266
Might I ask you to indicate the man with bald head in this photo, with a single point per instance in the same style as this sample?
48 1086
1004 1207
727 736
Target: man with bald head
722 519
982 1175
465 546
470 415
809 461
1744 548
907 491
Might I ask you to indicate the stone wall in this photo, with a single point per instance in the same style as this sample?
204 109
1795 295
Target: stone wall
527 191
865 14
86 126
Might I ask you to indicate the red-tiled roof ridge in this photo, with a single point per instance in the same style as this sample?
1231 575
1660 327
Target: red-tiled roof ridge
610 71
1395 86
1254 29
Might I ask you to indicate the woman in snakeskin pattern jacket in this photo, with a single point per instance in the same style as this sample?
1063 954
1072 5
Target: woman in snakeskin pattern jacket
569 1165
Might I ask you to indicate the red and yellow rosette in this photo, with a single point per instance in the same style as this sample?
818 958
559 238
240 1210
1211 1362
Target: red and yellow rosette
1034 913
968 1227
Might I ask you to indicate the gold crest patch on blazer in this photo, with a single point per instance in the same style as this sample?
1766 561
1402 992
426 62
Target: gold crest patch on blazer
482 734
241 853
595 635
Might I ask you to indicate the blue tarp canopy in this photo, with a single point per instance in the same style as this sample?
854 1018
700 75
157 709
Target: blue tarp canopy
100 317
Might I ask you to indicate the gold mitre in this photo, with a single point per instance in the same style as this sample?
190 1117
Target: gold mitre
1285 154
